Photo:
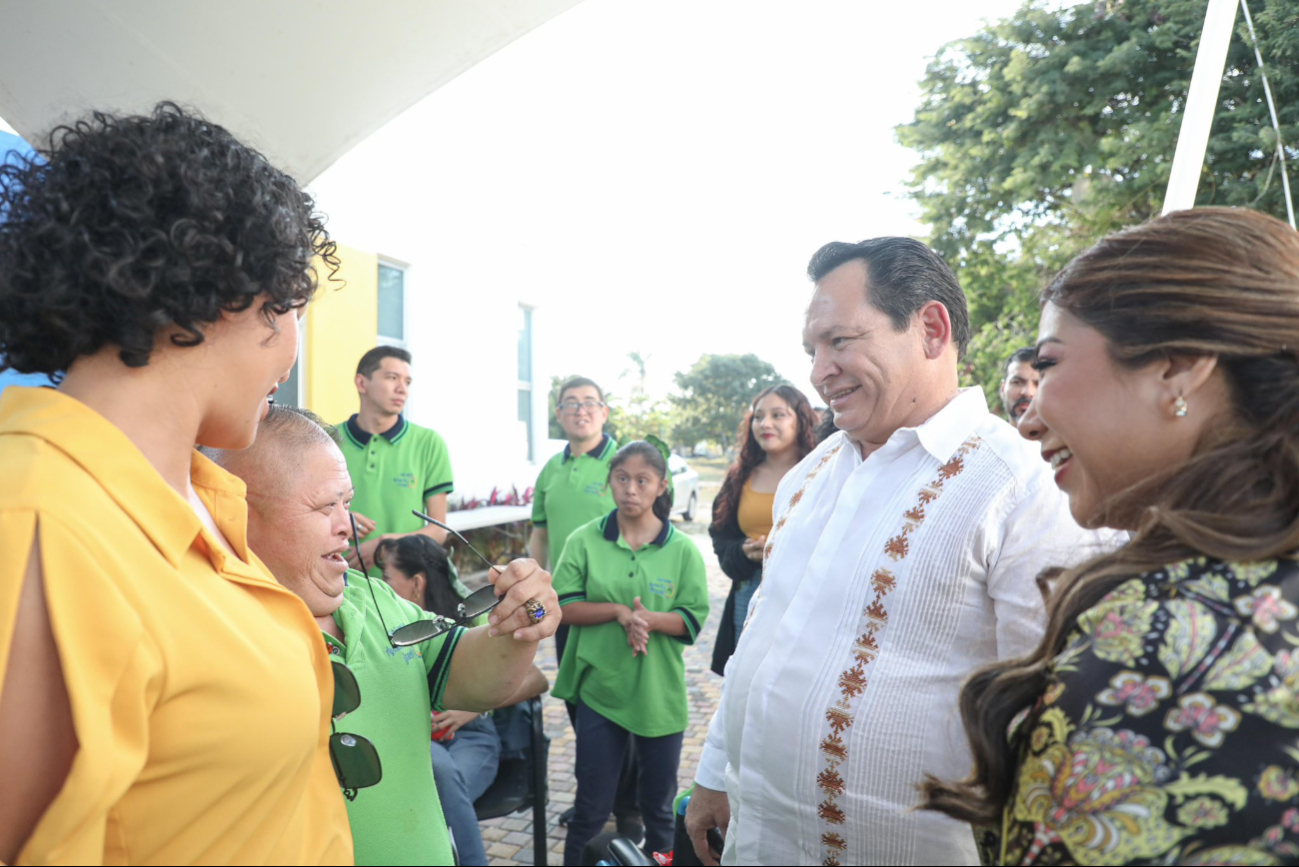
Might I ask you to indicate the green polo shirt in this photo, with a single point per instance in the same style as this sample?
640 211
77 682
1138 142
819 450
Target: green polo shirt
398 821
572 490
395 472
644 694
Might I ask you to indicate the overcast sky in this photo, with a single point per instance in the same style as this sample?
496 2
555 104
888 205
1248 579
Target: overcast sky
658 172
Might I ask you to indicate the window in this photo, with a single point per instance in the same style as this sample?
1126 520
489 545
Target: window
525 374
392 305
291 390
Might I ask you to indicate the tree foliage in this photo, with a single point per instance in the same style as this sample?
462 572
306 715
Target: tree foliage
714 395
645 414
1043 132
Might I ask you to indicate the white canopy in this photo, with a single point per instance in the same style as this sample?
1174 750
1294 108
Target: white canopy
302 80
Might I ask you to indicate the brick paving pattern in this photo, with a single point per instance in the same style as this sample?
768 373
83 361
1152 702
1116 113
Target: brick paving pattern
509 840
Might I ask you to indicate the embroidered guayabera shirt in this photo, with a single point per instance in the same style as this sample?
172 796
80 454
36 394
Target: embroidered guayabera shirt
887 581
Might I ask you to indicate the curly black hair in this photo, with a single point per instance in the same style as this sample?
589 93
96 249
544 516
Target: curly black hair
121 227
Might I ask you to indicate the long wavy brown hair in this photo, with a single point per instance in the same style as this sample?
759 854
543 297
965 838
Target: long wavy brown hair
1206 282
751 453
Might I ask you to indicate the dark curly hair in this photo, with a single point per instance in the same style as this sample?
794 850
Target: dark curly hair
751 453
121 227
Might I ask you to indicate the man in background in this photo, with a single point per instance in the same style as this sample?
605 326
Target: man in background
904 556
1020 383
395 465
573 486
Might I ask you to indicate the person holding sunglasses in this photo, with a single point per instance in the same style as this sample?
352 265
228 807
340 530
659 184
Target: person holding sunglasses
164 700
406 661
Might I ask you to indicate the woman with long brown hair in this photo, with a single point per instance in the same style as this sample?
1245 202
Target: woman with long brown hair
1158 720
778 431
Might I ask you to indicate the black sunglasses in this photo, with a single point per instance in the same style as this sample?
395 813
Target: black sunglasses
474 605
355 760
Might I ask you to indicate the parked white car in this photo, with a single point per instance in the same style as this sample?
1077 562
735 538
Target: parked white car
685 483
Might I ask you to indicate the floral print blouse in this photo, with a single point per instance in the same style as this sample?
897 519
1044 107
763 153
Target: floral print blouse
1169 732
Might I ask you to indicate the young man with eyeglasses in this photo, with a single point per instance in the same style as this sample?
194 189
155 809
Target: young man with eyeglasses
573 486
395 465
405 661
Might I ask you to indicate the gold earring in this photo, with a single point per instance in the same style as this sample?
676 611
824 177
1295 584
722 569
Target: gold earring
1179 407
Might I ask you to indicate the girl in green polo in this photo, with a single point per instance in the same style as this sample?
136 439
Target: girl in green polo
635 593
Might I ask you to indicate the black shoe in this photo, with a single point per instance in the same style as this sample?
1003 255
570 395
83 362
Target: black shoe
565 816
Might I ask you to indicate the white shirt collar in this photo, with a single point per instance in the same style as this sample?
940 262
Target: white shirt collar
943 431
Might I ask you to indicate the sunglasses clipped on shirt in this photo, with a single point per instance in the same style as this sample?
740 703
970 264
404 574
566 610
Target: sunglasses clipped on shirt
355 760
473 606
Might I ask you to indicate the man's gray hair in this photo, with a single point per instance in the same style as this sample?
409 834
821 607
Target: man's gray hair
295 426
283 435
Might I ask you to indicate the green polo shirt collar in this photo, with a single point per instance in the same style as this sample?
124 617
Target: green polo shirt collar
609 526
362 438
598 452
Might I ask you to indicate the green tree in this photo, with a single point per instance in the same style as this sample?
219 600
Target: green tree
645 414
715 393
1045 131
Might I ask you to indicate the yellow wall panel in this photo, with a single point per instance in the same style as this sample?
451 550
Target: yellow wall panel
341 325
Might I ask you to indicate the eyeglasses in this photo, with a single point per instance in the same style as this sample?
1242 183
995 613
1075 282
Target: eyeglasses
572 406
355 760
474 605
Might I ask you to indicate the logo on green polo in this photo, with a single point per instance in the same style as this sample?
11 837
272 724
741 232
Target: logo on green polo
665 587
405 480
597 488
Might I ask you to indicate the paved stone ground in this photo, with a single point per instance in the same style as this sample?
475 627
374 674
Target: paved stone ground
509 840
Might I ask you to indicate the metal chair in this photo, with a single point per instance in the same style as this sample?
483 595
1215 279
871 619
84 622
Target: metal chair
521 784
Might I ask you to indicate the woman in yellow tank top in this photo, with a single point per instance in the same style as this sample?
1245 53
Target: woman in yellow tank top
777 433
163 699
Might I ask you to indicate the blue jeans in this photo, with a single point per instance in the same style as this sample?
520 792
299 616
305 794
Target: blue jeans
463 768
601 746
743 593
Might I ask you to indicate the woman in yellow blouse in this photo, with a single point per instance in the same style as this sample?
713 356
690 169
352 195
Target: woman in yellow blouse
777 432
163 699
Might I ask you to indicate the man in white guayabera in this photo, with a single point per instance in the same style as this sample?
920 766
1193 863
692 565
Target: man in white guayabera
904 555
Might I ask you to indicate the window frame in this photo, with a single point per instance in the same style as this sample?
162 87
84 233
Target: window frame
402 268
528 386
300 364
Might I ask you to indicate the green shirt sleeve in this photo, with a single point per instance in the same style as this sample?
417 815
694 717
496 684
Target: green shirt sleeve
437 651
438 659
437 470
569 578
539 498
692 599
